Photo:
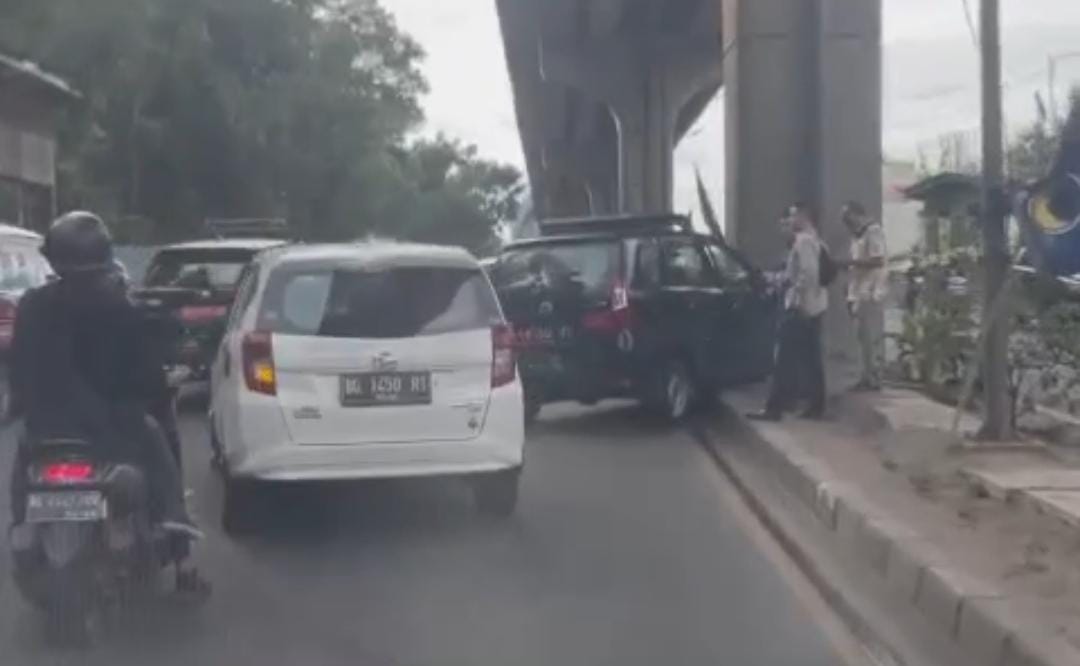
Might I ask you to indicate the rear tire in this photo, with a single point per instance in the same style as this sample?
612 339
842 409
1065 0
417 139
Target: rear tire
497 494
70 621
676 391
240 507
67 628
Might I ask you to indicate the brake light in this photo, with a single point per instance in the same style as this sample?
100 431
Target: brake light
503 363
7 321
67 473
616 318
620 297
258 357
7 310
202 314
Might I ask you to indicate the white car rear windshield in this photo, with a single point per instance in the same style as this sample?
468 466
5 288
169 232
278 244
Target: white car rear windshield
391 303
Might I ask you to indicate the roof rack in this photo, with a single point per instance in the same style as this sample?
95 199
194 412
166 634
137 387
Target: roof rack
615 224
250 227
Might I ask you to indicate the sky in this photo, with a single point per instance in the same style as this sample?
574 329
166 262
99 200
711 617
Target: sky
930 77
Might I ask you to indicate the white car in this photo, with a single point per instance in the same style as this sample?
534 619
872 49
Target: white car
364 361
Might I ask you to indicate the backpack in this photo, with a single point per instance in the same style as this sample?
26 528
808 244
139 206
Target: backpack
827 268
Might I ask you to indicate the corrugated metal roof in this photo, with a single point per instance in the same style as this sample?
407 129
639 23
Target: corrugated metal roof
32 71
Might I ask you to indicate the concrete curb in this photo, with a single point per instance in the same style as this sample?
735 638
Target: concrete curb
969 612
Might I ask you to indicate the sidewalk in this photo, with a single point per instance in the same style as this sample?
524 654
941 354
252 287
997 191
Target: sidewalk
985 544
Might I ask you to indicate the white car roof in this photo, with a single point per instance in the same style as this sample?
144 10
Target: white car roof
373 253
256 244
11 231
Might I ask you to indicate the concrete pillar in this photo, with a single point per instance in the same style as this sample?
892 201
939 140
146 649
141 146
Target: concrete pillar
645 82
603 193
585 176
767 117
850 103
567 196
803 99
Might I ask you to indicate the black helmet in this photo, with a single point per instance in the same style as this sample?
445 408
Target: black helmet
78 242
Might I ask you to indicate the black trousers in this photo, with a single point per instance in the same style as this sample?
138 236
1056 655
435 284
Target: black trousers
799 370
164 412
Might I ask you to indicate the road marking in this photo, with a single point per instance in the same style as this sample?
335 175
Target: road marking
849 648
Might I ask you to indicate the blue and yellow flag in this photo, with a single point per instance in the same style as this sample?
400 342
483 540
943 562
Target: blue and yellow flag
1050 212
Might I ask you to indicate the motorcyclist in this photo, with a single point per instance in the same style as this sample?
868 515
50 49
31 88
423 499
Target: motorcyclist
83 367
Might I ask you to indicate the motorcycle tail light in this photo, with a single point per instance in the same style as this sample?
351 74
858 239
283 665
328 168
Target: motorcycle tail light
66 473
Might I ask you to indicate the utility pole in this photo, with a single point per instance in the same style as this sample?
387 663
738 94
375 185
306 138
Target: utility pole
997 408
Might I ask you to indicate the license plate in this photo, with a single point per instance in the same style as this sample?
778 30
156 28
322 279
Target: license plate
540 361
386 389
543 336
68 506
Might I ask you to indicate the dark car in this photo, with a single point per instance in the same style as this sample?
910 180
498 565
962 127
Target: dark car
192 286
638 307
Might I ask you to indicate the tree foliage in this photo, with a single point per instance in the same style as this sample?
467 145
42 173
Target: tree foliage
1032 152
301 109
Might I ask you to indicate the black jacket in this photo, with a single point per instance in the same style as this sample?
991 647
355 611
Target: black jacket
82 360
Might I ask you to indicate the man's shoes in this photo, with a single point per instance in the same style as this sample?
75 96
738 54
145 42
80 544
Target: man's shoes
813 415
765 415
866 387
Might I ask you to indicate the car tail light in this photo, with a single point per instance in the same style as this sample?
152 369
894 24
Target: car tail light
7 310
617 317
7 321
503 363
66 473
258 355
202 314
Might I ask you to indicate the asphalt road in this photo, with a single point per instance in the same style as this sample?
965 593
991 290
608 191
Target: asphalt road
625 550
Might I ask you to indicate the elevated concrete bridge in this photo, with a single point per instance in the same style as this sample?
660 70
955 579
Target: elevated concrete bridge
605 89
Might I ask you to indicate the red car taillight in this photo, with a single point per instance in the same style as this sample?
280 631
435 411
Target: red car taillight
617 317
258 357
66 473
202 314
503 363
7 321
7 310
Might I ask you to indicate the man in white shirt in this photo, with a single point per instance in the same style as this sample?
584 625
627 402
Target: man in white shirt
799 370
868 284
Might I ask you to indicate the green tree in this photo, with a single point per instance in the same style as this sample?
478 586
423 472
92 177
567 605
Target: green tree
447 194
292 108
1032 152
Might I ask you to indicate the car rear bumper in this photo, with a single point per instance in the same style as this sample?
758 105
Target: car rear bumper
291 462
551 376
271 455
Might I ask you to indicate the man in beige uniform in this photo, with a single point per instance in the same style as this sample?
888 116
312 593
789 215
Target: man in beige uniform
867 289
799 369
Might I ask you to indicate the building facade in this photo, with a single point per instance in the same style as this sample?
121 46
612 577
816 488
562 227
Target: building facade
30 103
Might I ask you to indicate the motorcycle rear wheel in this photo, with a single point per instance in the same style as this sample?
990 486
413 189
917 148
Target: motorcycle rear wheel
72 621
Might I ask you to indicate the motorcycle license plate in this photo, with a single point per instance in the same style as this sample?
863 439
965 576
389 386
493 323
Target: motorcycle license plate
73 506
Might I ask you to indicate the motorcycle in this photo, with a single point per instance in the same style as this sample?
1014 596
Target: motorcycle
87 546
